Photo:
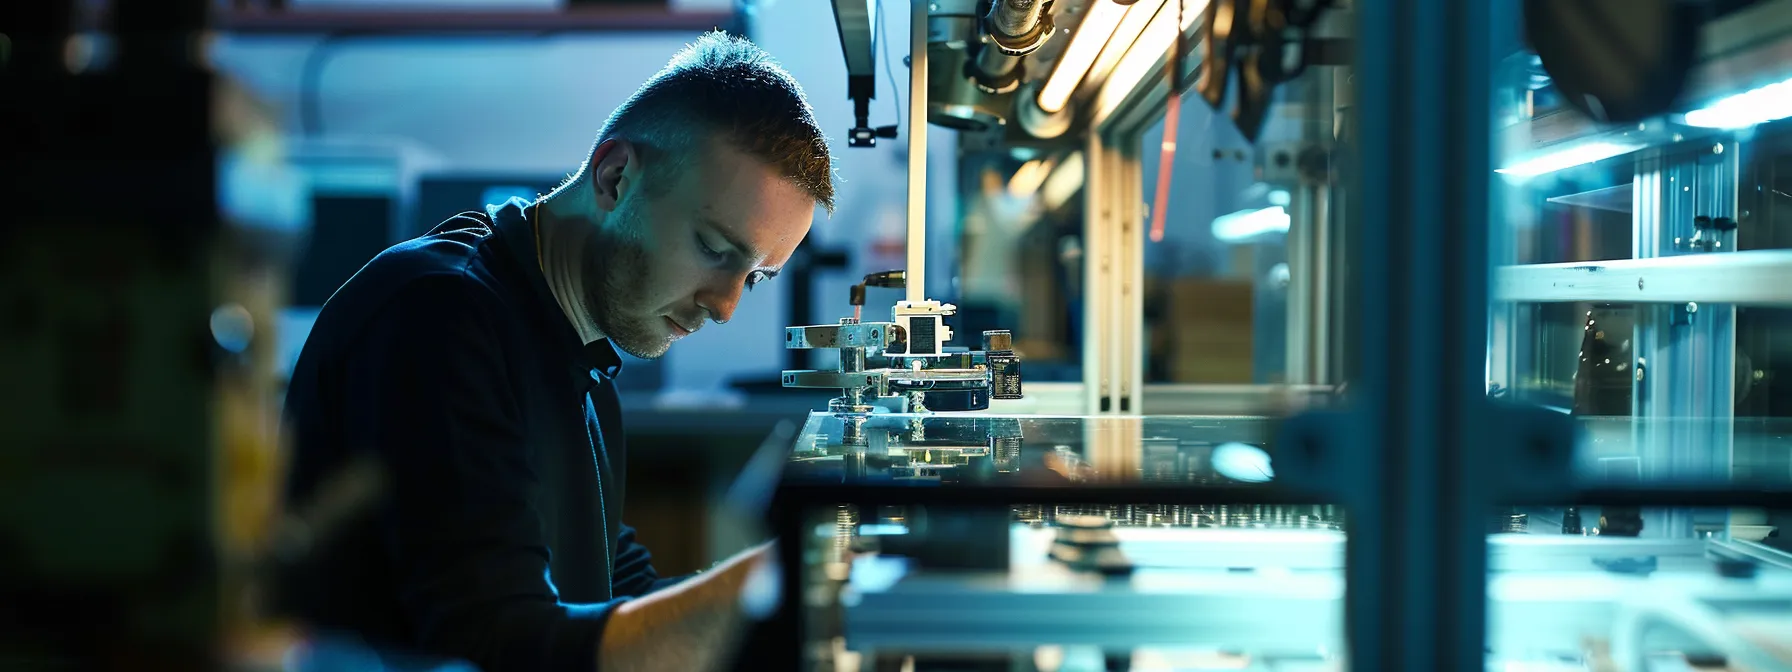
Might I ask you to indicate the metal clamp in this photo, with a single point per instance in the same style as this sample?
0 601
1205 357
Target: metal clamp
1708 234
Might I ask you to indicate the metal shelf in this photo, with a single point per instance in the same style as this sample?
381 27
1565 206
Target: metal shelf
1756 278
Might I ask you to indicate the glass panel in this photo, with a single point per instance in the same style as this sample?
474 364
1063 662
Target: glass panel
1019 266
1236 279
1617 588
1643 272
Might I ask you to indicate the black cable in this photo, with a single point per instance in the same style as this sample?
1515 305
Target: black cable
883 44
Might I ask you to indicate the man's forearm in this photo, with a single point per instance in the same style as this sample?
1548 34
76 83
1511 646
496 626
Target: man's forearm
687 627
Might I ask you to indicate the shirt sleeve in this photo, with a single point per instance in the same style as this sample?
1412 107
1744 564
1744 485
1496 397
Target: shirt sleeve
634 573
433 397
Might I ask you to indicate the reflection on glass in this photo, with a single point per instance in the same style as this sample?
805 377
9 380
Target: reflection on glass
1023 451
1674 374
1610 596
1240 287
1020 258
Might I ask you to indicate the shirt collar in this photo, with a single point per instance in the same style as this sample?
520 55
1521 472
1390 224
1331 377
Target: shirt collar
512 223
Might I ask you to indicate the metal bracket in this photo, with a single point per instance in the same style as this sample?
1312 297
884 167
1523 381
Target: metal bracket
860 335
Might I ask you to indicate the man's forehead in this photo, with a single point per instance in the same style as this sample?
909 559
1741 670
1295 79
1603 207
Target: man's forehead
747 201
760 241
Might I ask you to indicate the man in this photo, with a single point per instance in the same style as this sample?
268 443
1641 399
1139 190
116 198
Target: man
475 365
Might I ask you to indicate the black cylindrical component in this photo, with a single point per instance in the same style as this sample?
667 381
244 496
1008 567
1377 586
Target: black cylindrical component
887 280
857 297
1014 29
1004 365
1571 520
1014 18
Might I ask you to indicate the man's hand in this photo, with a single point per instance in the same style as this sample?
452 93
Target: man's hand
689 627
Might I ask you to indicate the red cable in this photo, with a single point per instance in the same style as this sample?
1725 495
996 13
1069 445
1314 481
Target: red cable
1160 206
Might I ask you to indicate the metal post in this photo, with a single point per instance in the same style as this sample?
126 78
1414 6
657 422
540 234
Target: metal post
1684 424
1097 274
1416 555
1129 248
917 153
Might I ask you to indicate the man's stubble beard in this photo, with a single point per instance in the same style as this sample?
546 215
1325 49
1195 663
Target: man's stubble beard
621 275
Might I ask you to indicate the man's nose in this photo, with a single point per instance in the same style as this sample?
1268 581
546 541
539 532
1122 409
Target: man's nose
720 298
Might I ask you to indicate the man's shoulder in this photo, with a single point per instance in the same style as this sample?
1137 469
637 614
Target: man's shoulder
443 274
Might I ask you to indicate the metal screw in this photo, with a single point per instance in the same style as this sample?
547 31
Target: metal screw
1717 148
1692 307
1639 281
1760 375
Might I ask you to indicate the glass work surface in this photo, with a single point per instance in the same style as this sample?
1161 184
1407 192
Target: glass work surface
1031 451
1275 597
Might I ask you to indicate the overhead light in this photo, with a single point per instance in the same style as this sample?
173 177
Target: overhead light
1247 224
1091 35
1143 57
1029 177
1063 182
1758 106
1131 25
1576 154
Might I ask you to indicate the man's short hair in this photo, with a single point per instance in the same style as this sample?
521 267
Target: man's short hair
727 88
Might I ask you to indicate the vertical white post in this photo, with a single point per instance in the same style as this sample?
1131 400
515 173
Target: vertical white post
916 274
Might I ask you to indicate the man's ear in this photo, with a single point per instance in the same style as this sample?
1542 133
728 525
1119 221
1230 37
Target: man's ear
613 163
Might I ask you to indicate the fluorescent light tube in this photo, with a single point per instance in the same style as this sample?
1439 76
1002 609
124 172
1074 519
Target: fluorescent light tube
1142 59
1758 106
1577 154
1139 14
1091 35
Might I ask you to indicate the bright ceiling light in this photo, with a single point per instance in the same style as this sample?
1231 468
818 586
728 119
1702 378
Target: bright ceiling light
1125 34
1095 31
1143 57
1758 106
1577 154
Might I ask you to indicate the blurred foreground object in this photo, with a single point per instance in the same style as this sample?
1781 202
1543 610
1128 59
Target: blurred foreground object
1617 61
107 496
143 265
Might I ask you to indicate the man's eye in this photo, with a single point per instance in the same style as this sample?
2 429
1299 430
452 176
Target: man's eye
707 250
755 278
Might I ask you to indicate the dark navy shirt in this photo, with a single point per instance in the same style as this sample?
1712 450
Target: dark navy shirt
498 537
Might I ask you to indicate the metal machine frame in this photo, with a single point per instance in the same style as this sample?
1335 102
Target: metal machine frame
1685 335
1420 457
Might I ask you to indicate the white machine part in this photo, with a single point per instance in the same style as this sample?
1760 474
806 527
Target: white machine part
924 323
